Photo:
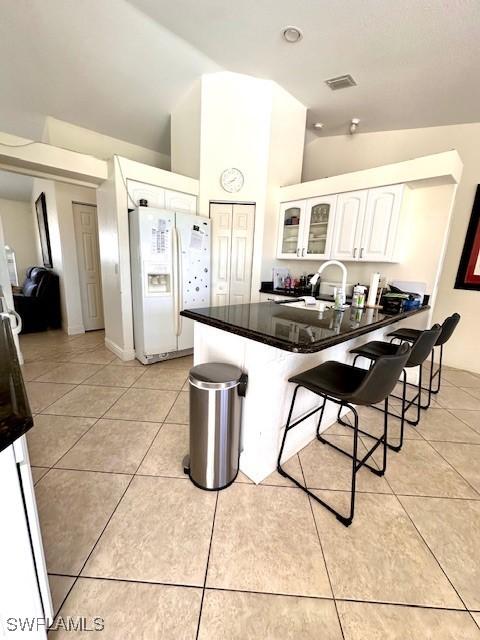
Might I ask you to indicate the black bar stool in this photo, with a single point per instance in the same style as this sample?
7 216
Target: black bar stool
347 386
421 348
410 335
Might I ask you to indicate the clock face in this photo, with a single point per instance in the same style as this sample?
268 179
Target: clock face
232 180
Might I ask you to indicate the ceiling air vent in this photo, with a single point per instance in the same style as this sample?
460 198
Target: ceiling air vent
341 82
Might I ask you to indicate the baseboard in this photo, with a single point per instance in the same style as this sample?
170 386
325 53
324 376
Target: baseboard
75 329
123 354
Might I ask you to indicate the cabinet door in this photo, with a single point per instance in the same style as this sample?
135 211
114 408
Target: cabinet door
381 223
291 223
349 215
318 227
177 201
155 196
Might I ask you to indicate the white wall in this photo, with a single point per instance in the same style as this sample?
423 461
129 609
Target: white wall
19 232
185 133
253 125
70 136
328 156
59 199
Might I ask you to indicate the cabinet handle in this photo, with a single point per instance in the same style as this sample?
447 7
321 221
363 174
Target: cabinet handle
355 252
303 252
361 252
298 253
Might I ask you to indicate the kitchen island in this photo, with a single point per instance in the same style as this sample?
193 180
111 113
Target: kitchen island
272 342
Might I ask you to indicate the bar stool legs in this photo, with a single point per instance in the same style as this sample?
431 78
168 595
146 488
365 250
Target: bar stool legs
356 463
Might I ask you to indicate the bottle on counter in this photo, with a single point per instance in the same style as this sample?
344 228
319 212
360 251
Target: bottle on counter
358 298
287 283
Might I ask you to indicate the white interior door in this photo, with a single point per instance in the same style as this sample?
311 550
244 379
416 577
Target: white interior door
88 258
243 219
232 251
221 217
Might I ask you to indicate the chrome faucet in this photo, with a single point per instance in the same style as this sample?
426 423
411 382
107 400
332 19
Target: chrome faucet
314 279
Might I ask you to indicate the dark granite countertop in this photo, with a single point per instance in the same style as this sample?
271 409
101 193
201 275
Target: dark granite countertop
294 329
15 415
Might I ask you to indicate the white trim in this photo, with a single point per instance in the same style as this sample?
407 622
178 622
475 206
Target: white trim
75 329
123 354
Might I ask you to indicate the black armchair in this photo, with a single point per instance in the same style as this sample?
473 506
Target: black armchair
39 302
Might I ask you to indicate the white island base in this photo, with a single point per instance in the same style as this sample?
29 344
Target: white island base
269 394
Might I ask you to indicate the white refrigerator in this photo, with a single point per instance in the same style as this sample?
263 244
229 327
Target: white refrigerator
170 267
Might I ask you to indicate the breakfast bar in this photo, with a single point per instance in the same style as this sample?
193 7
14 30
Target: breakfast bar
272 342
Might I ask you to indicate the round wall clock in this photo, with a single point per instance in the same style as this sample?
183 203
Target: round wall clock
231 180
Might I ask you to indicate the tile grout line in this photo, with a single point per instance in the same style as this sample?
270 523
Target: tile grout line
206 568
109 519
458 473
321 549
271 593
425 543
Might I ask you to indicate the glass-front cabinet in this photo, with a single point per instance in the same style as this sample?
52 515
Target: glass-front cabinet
306 228
318 234
290 241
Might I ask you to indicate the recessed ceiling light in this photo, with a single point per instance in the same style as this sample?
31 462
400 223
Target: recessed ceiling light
292 34
318 125
341 82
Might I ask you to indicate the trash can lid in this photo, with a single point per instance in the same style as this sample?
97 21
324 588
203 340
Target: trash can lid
215 375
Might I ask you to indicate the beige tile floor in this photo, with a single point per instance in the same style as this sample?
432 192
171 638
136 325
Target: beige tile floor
128 538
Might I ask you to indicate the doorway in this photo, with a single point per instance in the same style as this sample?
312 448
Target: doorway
232 251
88 259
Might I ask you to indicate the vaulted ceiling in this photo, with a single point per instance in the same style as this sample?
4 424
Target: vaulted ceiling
119 67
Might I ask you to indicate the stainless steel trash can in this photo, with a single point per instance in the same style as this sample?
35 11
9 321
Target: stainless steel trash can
216 392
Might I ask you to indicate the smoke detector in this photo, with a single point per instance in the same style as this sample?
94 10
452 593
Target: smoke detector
292 34
341 82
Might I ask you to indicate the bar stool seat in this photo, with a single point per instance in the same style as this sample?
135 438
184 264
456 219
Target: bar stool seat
375 349
347 386
404 333
333 378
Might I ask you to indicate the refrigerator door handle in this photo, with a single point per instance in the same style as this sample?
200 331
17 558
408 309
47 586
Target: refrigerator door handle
179 291
176 310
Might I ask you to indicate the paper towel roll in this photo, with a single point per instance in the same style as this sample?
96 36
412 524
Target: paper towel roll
373 289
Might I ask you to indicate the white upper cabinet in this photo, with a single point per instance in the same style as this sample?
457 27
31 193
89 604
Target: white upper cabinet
355 226
176 201
349 218
318 227
381 223
290 237
155 196
161 198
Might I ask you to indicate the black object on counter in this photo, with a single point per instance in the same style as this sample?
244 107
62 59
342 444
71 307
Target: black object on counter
292 328
15 415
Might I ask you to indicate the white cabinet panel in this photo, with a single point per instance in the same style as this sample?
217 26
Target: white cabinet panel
290 233
155 196
176 201
349 217
381 223
221 216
